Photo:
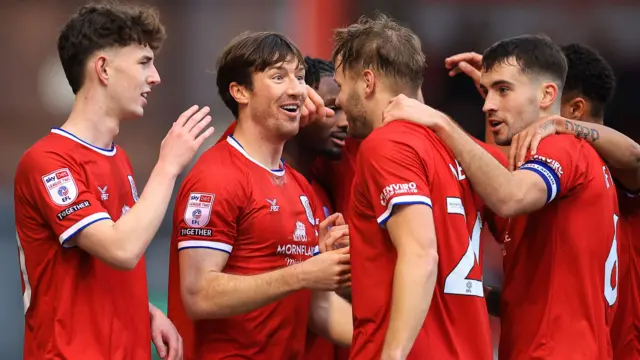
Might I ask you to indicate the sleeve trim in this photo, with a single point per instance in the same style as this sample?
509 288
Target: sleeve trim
402 200
547 174
80 225
199 244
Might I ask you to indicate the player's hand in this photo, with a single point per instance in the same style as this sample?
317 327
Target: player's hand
403 108
165 336
528 140
469 63
334 233
327 271
184 139
314 108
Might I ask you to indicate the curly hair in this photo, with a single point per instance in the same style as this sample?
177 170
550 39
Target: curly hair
96 27
316 70
589 75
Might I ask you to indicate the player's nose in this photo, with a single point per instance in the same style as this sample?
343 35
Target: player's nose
490 104
154 77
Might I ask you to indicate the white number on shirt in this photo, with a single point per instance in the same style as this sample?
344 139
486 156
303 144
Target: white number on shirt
611 265
26 296
457 282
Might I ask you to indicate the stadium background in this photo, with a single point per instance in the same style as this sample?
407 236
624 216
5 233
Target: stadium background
36 97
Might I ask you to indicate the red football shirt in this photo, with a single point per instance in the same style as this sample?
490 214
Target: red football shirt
76 307
625 336
404 163
266 220
560 277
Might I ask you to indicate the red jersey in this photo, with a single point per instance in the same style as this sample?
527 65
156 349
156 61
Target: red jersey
560 262
337 176
266 220
72 311
228 132
625 333
405 163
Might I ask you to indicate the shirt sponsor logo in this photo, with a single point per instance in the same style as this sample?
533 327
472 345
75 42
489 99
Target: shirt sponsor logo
397 189
61 187
202 232
557 168
198 211
71 209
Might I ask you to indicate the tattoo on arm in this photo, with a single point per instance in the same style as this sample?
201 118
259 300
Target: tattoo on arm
581 131
546 125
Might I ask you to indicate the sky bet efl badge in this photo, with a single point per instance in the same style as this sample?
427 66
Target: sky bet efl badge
198 210
61 187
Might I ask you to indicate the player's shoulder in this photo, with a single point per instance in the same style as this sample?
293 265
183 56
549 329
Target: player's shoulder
217 168
397 133
48 150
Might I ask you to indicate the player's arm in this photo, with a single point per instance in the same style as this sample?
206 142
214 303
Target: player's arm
507 193
121 244
331 318
617 149
208 293
387 163
412 232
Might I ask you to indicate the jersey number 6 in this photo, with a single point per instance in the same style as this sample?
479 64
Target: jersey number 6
611 265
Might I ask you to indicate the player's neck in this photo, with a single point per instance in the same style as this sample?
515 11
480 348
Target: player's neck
298 158
89 121
265 149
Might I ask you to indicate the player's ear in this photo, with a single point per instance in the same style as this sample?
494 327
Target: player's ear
369 82
239 93
101 67
576 108
549 94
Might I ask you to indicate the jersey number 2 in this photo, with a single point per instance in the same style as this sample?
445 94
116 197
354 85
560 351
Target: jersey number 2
457 282
611 265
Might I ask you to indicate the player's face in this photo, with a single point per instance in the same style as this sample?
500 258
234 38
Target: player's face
512 101
352 103
326 137
277 98
132 74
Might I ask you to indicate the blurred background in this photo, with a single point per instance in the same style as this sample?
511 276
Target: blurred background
36 96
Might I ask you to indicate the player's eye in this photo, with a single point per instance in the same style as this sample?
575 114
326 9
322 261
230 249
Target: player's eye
278 77
503 90
334 108
300 78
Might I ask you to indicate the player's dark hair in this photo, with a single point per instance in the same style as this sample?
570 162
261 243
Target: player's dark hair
589 75
316 70
534 54
96 27
248 53
382 45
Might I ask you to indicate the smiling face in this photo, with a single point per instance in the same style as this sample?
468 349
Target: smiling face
277 96
131 75
512 100
326 137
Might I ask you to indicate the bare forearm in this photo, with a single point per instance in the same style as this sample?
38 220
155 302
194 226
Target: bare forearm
331 317
224 295
492 181
413 285
615 148
135 230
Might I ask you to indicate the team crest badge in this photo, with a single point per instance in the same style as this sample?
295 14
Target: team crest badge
198 211
307 209
134 190
61 187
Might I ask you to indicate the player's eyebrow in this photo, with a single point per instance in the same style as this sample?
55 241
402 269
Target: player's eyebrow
501 82
146 58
